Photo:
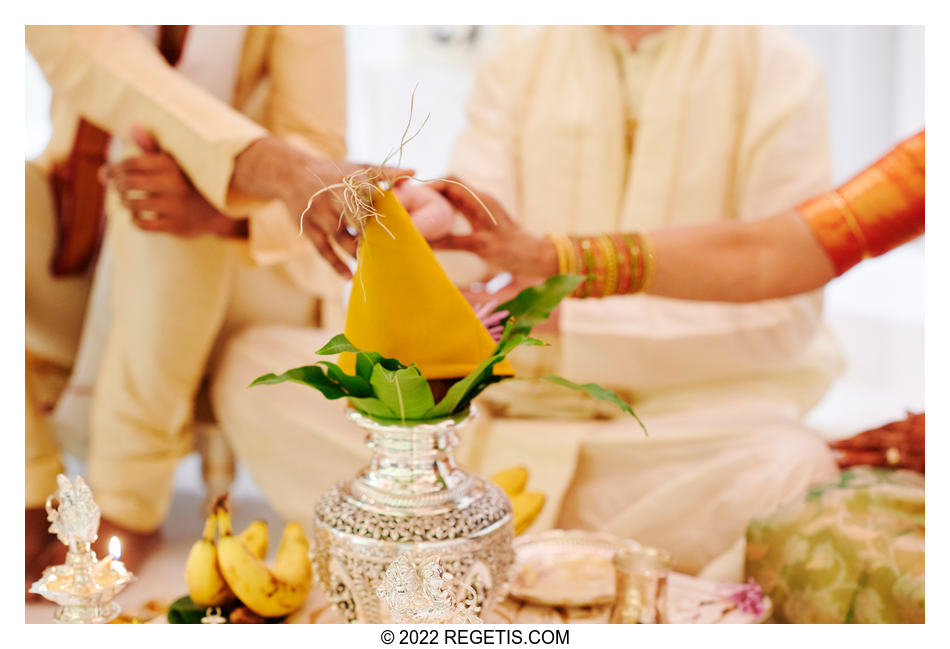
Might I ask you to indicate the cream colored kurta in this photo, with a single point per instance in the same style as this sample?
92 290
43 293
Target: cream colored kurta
172 297
730 124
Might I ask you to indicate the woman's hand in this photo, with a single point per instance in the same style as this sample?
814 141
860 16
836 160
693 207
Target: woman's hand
161 197
485 304
492 319
273 169
430 212
495 237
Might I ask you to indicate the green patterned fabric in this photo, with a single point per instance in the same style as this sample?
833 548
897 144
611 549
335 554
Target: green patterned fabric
851 551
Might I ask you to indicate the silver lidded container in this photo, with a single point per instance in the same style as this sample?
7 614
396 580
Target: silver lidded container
412 500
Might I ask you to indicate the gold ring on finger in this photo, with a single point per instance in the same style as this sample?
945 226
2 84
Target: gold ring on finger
893 456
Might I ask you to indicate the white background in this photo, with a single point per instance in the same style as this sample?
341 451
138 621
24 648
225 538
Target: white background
875 78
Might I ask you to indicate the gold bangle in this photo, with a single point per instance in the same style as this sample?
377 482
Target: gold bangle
570 259
558 241
580 266
636 263
588 267
893 456
611 261
649 264
573 256
624 265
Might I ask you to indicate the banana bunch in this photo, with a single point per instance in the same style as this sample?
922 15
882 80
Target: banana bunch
233 568
526 505
206 584
268 592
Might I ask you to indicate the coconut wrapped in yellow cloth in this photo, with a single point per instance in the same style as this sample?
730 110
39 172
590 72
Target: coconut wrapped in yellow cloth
404 306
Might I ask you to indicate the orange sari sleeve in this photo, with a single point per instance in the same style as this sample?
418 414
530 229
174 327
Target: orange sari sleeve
877 210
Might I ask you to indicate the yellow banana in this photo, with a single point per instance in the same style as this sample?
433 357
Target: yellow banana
254 537
526 506
269 593
512 481
206 585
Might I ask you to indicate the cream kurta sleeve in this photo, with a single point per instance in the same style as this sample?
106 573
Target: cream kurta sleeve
114 77
307 99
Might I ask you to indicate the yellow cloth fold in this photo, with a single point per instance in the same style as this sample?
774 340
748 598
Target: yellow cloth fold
404 306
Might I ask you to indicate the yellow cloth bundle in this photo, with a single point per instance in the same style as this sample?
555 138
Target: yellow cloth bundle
404 306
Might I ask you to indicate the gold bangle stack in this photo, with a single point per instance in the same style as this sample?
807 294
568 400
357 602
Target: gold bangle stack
649 265
565 254
612 264
587 254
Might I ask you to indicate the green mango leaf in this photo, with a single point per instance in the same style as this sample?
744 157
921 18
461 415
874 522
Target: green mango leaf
366 360
384 388
518 340
462 392
340 344
185 611
354 386
311 375
489 380
598 392
404 391
536 303
337 345
373 407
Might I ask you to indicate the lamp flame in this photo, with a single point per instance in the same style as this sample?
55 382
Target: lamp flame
115 548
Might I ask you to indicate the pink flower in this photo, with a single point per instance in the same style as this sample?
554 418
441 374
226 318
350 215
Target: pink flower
747 597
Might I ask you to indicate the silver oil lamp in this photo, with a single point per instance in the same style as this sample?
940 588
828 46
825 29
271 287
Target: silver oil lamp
83 586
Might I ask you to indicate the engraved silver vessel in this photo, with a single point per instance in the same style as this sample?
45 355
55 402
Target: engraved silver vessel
412 500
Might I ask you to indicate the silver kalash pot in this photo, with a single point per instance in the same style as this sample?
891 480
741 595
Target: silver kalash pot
411 500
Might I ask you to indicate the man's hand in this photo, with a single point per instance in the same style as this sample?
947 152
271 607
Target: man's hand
495 237
273 169
162 199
